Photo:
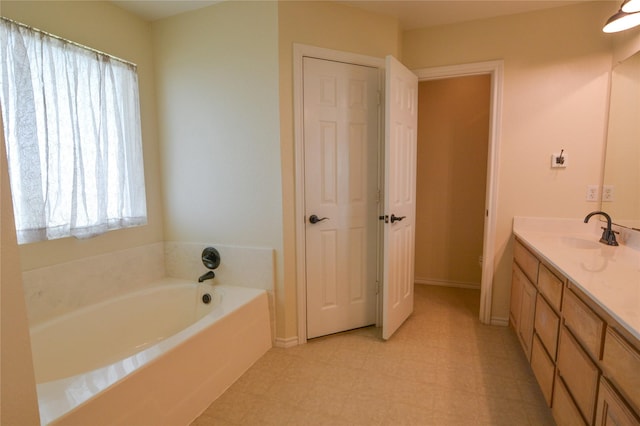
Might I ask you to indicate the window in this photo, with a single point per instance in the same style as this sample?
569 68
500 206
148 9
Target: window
72 131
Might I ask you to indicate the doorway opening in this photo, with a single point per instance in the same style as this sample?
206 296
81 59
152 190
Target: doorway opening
492 70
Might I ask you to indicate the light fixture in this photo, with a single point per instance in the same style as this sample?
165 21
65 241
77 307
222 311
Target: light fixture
631 6
621 21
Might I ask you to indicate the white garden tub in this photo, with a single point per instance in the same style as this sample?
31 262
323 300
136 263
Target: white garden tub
158 356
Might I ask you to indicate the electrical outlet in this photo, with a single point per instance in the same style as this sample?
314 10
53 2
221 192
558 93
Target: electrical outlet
607 193
558 160
592 193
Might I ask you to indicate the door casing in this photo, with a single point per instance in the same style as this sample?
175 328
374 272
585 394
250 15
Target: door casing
494 68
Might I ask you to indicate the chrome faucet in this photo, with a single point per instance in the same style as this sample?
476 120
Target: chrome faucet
608 234
208 276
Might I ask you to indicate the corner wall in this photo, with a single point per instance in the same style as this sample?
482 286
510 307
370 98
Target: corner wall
554 97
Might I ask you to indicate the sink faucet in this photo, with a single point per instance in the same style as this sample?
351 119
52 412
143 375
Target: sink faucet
608 234
208 276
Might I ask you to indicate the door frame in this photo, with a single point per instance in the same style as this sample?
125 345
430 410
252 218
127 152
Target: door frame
299 52
496 70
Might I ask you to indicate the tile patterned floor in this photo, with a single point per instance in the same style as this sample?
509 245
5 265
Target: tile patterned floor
442 367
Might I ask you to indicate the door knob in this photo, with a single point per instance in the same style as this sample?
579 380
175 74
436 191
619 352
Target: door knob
315 219
395 218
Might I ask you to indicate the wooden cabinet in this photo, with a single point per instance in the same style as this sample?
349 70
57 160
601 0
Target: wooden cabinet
584 324
586 363
579 373
547 325
550 286
611 408
564 410
527 261
621 362
523 308
543 368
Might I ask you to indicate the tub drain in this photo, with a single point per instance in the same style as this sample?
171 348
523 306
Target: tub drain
206 298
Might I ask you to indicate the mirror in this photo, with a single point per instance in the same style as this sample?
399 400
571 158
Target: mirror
621 183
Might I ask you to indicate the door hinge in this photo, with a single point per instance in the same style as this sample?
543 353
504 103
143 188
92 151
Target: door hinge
379 97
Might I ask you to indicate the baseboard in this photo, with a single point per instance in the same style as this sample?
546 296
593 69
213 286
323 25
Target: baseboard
288 342
500 321
445 283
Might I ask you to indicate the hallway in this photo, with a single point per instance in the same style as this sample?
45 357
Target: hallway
442 367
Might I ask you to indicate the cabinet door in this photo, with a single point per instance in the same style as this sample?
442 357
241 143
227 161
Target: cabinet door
543 368
611 410
527 313
578 372
621 361
517 278
547 324
563 409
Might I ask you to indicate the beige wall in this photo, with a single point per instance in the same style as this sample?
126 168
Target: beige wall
217 74
327 25
555 96
453 136
18 400
105 27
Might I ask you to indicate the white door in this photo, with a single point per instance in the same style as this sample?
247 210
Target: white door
401 107
340 112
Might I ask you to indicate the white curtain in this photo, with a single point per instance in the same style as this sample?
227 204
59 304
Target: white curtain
72 129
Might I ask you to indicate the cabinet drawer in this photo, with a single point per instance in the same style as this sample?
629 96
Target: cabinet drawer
611 410
621 362
579 373
563 409
543 368
551 286
546 326
585 325
527 261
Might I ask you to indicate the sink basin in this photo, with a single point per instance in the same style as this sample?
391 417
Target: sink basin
580 243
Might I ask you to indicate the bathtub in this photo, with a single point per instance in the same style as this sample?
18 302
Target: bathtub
157 356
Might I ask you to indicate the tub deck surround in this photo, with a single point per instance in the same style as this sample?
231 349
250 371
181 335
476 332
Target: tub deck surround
239 266
609 275
172 381
55 290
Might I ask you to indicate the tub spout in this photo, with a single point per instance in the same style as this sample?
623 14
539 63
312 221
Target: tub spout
208 276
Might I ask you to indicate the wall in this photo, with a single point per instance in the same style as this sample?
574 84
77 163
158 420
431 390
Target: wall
217 82
105 27
18 399
555 97
333 26
453 136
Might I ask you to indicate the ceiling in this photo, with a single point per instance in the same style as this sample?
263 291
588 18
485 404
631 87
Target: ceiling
411 14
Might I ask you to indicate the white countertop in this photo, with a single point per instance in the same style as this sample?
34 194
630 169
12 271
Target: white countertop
609 275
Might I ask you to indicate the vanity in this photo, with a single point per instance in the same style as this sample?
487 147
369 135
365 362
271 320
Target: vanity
575 307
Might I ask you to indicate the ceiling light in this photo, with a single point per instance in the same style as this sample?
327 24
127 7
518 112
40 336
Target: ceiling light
631 6
621 21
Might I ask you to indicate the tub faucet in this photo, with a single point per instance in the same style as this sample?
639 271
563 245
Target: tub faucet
608 234
208 276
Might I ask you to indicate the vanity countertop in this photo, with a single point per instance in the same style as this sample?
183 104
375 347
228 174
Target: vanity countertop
609 275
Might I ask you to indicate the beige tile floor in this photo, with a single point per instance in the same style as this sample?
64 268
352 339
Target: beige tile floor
442 367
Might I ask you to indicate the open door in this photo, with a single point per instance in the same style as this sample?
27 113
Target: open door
401 121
